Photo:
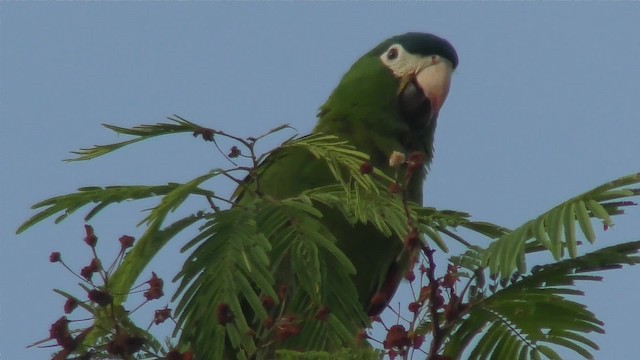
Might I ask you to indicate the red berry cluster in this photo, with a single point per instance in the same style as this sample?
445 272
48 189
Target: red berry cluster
437 297
100 300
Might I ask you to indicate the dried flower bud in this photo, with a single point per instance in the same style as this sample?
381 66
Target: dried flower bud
396 159
207 134
366 168
224 314
397 337
155 281
55 257
161 316
125 345
70 305
153 293
59 331
126 241
417 341
412 241
451 277
91 239
286 328
416 160
414 307
234 152
267 302
102 298
86 273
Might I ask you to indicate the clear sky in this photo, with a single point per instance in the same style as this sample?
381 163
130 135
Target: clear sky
544 105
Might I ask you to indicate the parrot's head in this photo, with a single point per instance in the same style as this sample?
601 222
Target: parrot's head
422 65
390 98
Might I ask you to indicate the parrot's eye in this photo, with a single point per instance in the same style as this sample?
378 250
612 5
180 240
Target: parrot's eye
392 54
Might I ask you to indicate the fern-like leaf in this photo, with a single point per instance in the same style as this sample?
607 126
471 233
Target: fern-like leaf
556 231
104 197
140 133
532 314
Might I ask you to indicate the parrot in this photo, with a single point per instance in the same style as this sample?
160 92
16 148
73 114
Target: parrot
388 101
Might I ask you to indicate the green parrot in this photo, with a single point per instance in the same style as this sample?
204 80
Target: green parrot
387 102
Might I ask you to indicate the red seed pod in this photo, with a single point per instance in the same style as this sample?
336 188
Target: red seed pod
267 302
412 241
366 168
416 160
224 314
87 273
155 281
55 257
417 341
414 307
449 280
161 315
153 293
59 331
234 152
102 298
126 242
125 345
95 265
70 305
207 134
91 239
397 338
287 328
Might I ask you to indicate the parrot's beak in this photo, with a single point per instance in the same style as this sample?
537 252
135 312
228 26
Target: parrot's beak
435 81
426 91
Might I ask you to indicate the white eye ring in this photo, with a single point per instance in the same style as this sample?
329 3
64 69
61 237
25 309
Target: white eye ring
392 53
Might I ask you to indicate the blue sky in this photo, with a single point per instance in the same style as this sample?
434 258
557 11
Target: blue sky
543 106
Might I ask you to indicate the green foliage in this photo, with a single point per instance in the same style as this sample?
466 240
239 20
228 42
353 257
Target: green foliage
340 156
525 317
140 133
345 354
234 263
555 230
105 196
